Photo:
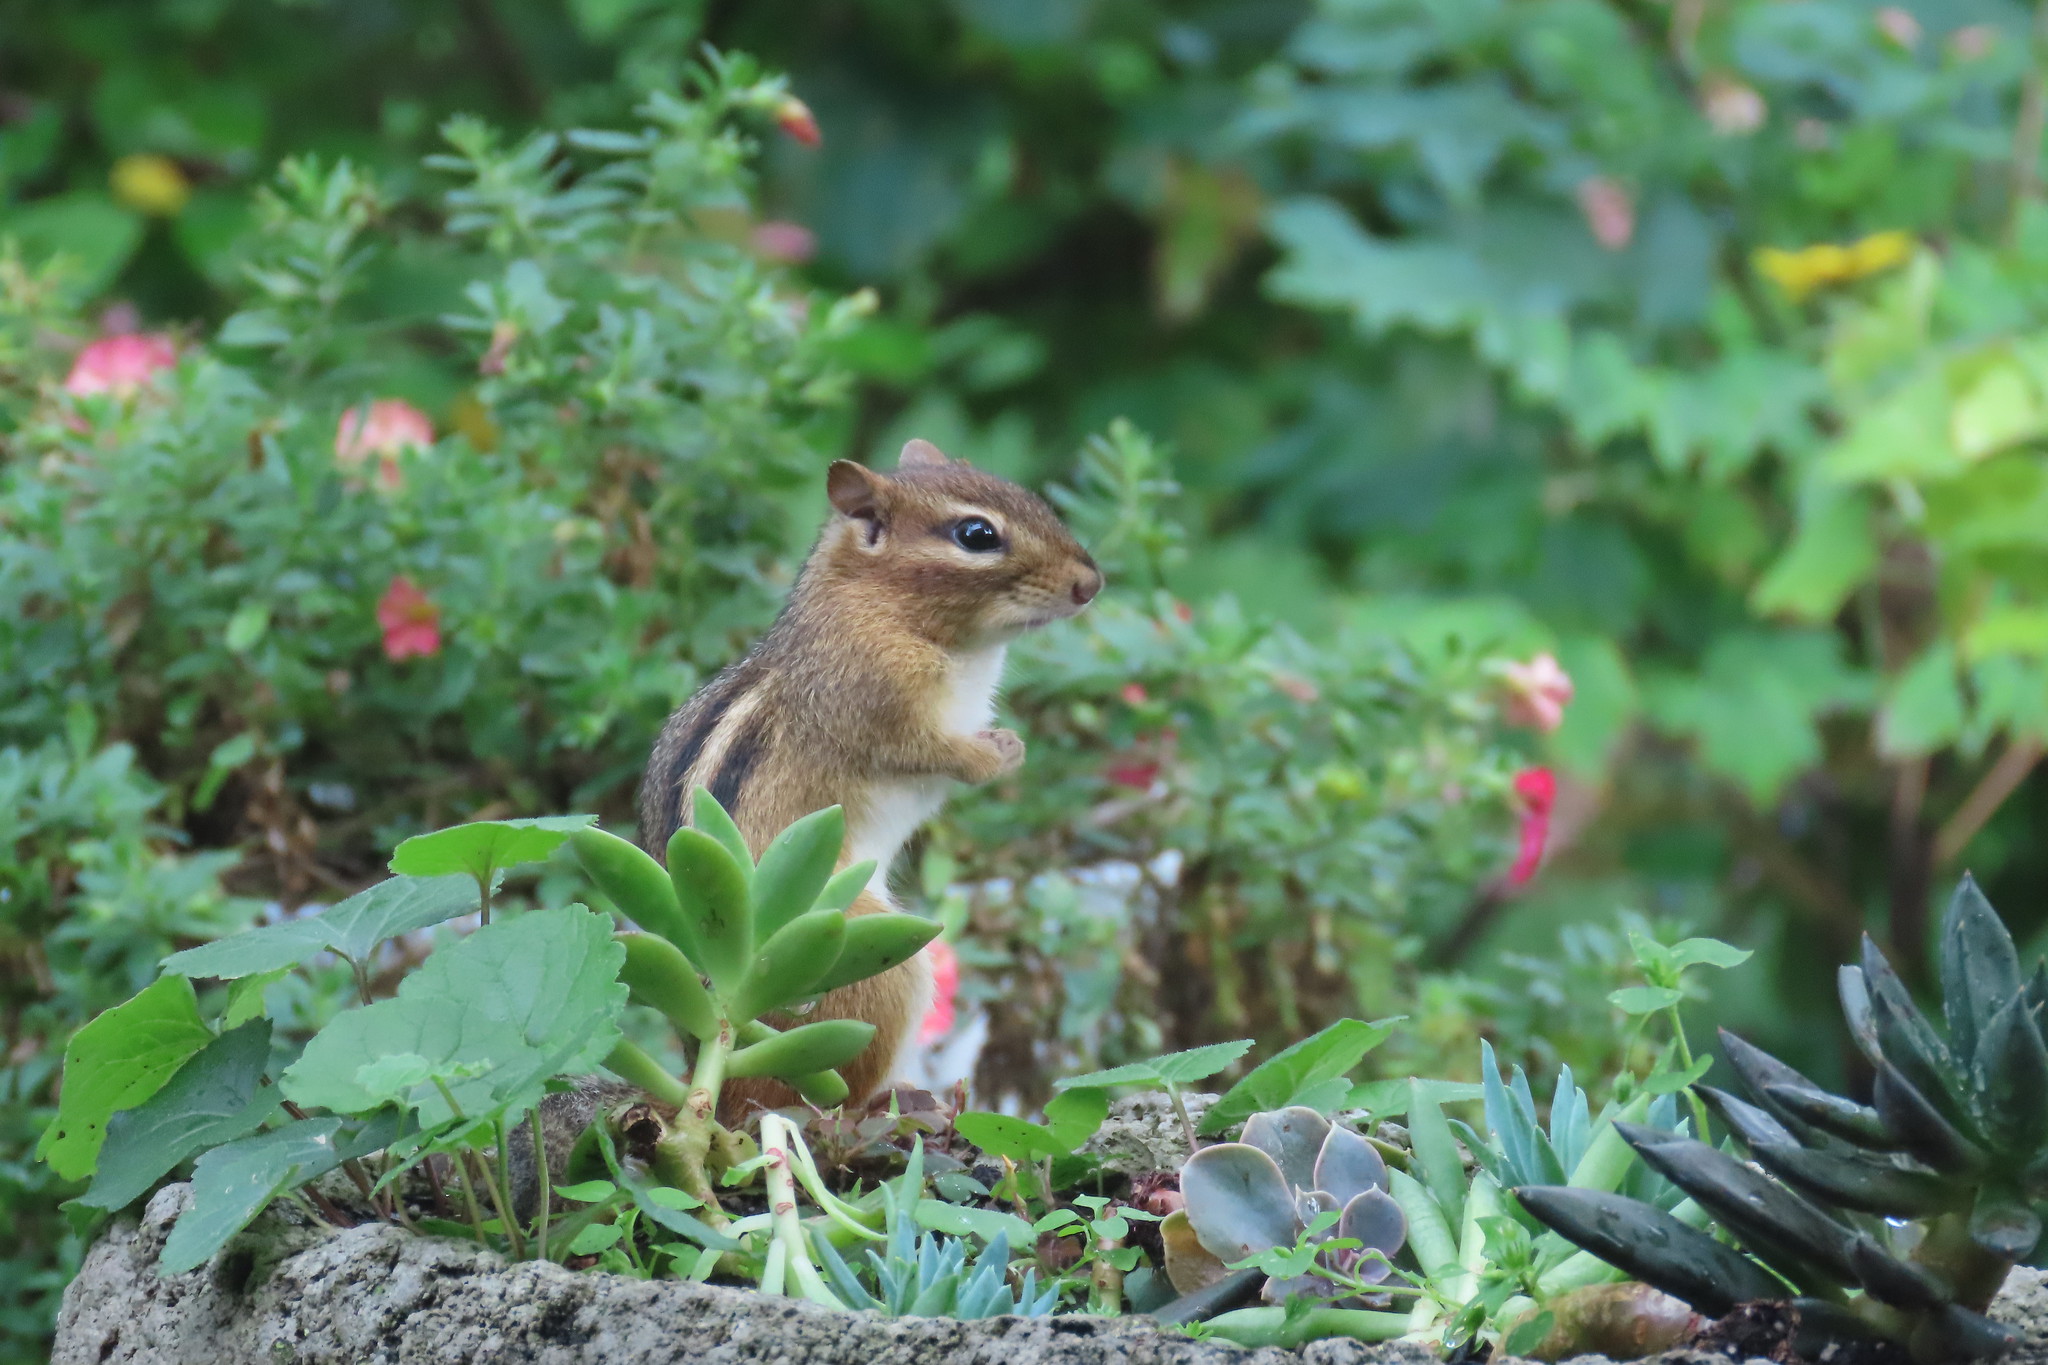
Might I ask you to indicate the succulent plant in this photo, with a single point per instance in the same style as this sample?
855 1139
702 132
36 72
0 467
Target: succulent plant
1263 1192
1898 1219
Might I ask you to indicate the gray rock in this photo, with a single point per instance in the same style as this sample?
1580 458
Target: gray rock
1142 1134
285 1293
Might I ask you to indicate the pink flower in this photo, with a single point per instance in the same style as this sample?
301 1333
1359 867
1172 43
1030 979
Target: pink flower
1537 693
410 622
120 364
938 1020
1133 693
386 429
1609 212
1900 26
1537 788
1732 108
787 243
795 118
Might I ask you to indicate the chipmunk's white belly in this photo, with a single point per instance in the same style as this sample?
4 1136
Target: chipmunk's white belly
896 809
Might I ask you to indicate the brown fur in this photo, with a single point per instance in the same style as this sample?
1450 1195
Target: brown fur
842 701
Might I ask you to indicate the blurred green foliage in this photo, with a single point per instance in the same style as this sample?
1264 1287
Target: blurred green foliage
1697 342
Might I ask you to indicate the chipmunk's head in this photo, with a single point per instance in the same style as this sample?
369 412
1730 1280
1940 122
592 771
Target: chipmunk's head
975 559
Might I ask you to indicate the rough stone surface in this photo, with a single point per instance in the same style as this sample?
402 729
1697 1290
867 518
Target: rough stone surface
285 1294
1143 1134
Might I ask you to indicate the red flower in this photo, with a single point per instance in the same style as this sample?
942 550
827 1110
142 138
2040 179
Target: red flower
794 117
938 1020
1134 693
387 429
787 243
1537 787
1136 773
411 623
120 364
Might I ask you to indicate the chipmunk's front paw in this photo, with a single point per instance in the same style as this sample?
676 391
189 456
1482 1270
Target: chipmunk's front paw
1008 749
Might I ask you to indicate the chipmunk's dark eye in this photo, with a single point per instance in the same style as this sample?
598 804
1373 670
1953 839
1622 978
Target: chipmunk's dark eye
977 535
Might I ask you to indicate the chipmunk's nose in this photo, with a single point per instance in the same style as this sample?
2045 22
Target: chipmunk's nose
1087 585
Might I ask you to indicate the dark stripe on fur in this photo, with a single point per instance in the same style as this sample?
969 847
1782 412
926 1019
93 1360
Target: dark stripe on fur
741 755
661 798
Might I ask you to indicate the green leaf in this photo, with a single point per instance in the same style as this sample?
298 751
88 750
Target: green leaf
1925 709
1832 552
1436 1155
593 1239
823 1046
1980 970
247 625
245 997
795 868
874 944
637 884
1286 1078
234 1182
352 928
494 1015
1018 1139
711 890
1073 1116
588 1192
1671 1082
961 1220
790 964
1529 1334
658 975
1173 1069
846 886
215 1097
707 815
481 847
1644 999
1711 952
117 1061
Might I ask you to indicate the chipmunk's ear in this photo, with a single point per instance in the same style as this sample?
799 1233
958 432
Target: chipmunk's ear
855 490
920 453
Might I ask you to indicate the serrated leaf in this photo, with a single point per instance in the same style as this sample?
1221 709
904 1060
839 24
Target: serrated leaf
352 928
1287 1077
215 1097
246 997
522 999
1003 1135
117 1061
234 1182
481 847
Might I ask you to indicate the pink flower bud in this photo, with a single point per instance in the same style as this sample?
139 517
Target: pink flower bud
1536 693
120 364
1537 789
410 621
784 243
938 1020
795 118
387 429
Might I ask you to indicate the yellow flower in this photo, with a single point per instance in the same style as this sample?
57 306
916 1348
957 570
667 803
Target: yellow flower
1801 272
1879 252
150 184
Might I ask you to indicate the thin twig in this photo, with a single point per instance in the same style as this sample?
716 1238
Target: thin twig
1999 782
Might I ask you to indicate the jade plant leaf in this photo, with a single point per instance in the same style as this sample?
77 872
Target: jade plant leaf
637 884
874 944
116 1062
215 1097
711 891
795 867
482 847
494 1016
351 928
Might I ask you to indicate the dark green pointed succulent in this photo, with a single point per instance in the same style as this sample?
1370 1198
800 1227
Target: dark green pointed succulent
1899 1218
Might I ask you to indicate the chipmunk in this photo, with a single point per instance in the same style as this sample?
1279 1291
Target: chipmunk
874 691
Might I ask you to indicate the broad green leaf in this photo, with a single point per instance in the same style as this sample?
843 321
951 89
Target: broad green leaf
2000 408
245 997
1925 709
1073 1116
481 847
117 1061
518 1001
1644 999
795 868
593 1239
1670 1082
216 1096
588 1192
1287 1077
1832 552
352 928
961 1220
1015 1138
1173 1069
232 1183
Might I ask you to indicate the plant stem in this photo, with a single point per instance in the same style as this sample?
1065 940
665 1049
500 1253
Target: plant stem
1105 1281
483 892
1180 1111
1998 783
708 1076
547 1191
504 1185
497 1198
1699 1106
629 1063
777 1140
